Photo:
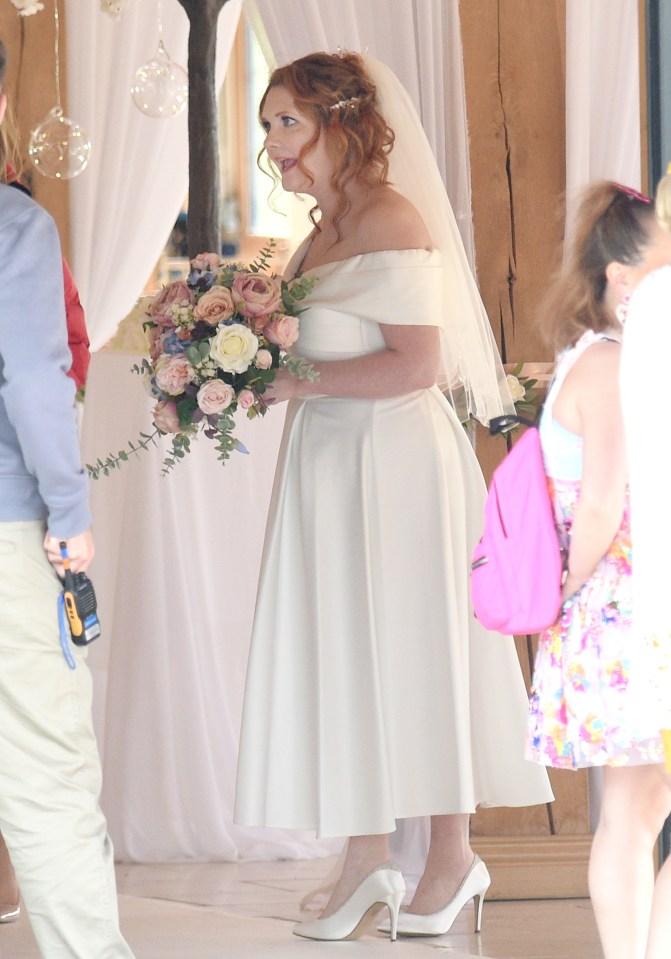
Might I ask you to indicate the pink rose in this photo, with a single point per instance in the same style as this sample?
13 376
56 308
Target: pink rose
282 330
165 416
154 341
206 261
177 292
246 399
173 373
215 306
264 359
255 294
214 396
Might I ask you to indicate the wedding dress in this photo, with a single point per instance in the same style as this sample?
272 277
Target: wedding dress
372 693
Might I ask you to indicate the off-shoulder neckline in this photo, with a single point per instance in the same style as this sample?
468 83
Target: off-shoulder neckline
332 264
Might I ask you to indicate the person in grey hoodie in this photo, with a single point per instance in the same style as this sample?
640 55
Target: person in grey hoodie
49 765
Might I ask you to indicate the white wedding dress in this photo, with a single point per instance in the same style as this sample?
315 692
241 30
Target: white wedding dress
372 693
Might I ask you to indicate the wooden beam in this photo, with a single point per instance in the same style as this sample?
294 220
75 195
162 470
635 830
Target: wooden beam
204 216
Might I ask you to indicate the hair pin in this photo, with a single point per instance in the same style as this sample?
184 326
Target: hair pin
634 194
351 103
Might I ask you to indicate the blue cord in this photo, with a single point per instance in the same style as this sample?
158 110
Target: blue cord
65 633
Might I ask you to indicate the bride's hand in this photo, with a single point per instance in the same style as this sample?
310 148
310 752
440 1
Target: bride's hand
284 387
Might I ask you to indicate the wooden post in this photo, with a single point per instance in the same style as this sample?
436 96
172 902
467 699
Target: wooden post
203 225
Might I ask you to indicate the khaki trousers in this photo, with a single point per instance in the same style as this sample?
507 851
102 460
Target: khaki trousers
49 766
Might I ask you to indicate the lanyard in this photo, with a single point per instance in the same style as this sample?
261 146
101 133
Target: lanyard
65 633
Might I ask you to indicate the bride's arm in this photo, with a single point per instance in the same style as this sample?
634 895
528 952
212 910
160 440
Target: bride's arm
409 362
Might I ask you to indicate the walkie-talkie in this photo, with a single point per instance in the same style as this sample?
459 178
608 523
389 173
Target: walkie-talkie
80 603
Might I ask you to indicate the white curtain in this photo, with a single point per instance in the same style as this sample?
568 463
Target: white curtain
419 39
123 206
175 576
603 124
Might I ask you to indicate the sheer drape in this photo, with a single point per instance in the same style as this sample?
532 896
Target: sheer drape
116 239
419 39
175 575
603 133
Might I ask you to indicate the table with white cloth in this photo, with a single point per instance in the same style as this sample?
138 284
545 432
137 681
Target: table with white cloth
175 574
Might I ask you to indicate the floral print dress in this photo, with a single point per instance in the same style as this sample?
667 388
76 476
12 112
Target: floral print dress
590 702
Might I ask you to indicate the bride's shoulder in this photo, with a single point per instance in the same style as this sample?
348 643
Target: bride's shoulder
387 221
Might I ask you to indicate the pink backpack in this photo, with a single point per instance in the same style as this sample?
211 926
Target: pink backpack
517 565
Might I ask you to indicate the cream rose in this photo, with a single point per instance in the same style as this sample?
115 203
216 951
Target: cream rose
214 306
255 294
27 8
166 416
206 261
214 396
282 330
264 359
517 391
246 399
173 373
233 348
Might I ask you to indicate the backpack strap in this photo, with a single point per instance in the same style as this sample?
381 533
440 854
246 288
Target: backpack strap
508 422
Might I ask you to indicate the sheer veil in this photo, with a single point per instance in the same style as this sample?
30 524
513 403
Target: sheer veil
471 369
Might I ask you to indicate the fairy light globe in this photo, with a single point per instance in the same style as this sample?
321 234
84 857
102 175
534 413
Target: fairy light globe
160 87
59 147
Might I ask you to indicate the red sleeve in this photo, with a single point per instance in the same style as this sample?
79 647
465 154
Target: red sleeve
78 339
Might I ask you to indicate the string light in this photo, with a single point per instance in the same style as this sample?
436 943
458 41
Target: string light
59 147
160 87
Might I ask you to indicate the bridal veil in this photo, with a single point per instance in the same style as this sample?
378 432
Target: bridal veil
471 369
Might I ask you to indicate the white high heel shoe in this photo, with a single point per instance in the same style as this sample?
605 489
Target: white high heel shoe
475 884
382 887
9 913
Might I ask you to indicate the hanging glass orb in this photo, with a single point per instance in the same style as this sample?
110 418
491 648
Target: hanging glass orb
160 87
59 147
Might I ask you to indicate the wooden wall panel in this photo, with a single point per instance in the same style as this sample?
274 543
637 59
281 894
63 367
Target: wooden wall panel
31 88
514 62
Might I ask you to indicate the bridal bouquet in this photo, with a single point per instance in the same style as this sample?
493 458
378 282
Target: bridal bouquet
216 342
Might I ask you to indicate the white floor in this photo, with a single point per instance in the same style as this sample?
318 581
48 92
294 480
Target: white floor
246 911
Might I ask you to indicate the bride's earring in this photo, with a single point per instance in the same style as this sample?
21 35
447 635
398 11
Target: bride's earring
622 308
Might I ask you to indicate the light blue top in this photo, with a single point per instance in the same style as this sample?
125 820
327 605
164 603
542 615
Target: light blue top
562 449
40 468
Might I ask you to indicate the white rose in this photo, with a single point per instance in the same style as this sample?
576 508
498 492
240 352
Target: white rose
27 8
517 391
233 348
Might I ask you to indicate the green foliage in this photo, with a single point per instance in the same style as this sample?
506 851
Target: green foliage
300 368
104 467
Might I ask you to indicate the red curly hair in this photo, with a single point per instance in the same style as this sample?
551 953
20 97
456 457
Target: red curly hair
358 135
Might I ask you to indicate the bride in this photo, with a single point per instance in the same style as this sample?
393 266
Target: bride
372 693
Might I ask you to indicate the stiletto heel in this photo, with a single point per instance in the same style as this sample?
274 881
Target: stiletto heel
478 903
382 887
475 884
9 913
394 904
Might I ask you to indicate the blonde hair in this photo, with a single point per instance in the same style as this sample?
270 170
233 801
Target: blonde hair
613 224
9 146
663 201
9 139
